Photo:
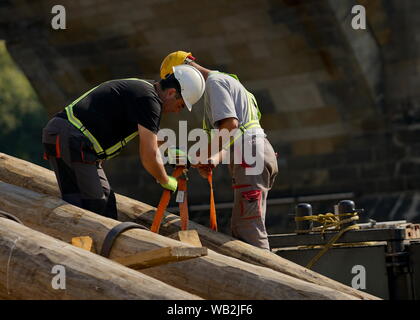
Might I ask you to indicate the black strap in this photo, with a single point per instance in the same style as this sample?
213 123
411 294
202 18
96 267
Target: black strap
114 233
9 216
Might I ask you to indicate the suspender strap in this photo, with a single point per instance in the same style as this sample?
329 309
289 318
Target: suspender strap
78 124
252 102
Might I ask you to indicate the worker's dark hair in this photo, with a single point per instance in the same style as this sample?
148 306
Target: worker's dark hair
171 82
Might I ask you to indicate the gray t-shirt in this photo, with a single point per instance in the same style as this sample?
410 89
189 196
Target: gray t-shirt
225 97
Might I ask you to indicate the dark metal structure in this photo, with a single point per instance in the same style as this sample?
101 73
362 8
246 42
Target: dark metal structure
382 259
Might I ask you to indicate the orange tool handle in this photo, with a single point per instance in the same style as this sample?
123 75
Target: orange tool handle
213 220
163 203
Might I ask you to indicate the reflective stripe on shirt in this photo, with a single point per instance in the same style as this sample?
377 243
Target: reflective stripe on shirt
102 154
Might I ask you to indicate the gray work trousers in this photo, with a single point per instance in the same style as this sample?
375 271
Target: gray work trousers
250 199
78 170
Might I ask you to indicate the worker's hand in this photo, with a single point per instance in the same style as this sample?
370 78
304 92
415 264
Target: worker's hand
177 156
211 162
171 185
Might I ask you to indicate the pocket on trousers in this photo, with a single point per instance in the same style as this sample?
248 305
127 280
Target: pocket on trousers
51 143
251 204
81 150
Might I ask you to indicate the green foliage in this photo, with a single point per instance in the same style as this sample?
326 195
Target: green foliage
21 114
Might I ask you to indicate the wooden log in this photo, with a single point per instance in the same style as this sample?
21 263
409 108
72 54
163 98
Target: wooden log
160 256
36 178
28 259
214 276
28 175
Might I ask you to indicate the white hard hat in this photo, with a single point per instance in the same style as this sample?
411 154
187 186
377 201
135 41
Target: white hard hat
192 83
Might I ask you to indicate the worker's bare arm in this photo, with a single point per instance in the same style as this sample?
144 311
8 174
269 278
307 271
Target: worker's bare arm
149 153
217 154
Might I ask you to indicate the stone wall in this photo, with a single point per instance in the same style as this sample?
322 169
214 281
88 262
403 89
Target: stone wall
341 106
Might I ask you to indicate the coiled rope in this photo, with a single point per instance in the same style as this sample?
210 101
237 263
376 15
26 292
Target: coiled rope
330 222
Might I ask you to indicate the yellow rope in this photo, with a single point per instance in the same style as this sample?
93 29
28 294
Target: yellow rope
328 221
329 245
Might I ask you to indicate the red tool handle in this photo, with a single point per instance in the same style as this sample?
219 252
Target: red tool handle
163 203
213 220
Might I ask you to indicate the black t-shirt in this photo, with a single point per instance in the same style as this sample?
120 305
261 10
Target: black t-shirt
112 111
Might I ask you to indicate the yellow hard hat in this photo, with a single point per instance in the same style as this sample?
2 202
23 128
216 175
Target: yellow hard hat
173 59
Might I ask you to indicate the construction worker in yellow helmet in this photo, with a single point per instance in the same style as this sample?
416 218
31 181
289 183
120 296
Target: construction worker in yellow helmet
99 124
229 105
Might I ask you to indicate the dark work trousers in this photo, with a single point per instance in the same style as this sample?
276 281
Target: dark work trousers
79 172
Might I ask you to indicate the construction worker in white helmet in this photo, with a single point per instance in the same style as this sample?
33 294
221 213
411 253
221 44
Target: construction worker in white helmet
99 124
228 105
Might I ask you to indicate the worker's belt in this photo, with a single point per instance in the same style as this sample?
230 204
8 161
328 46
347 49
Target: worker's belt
100 152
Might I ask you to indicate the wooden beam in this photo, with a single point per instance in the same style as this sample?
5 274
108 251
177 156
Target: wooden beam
33 177
157 257
214 276
36 266
187 236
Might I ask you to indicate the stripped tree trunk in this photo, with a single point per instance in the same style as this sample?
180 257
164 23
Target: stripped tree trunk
36 266
214 276
33 177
